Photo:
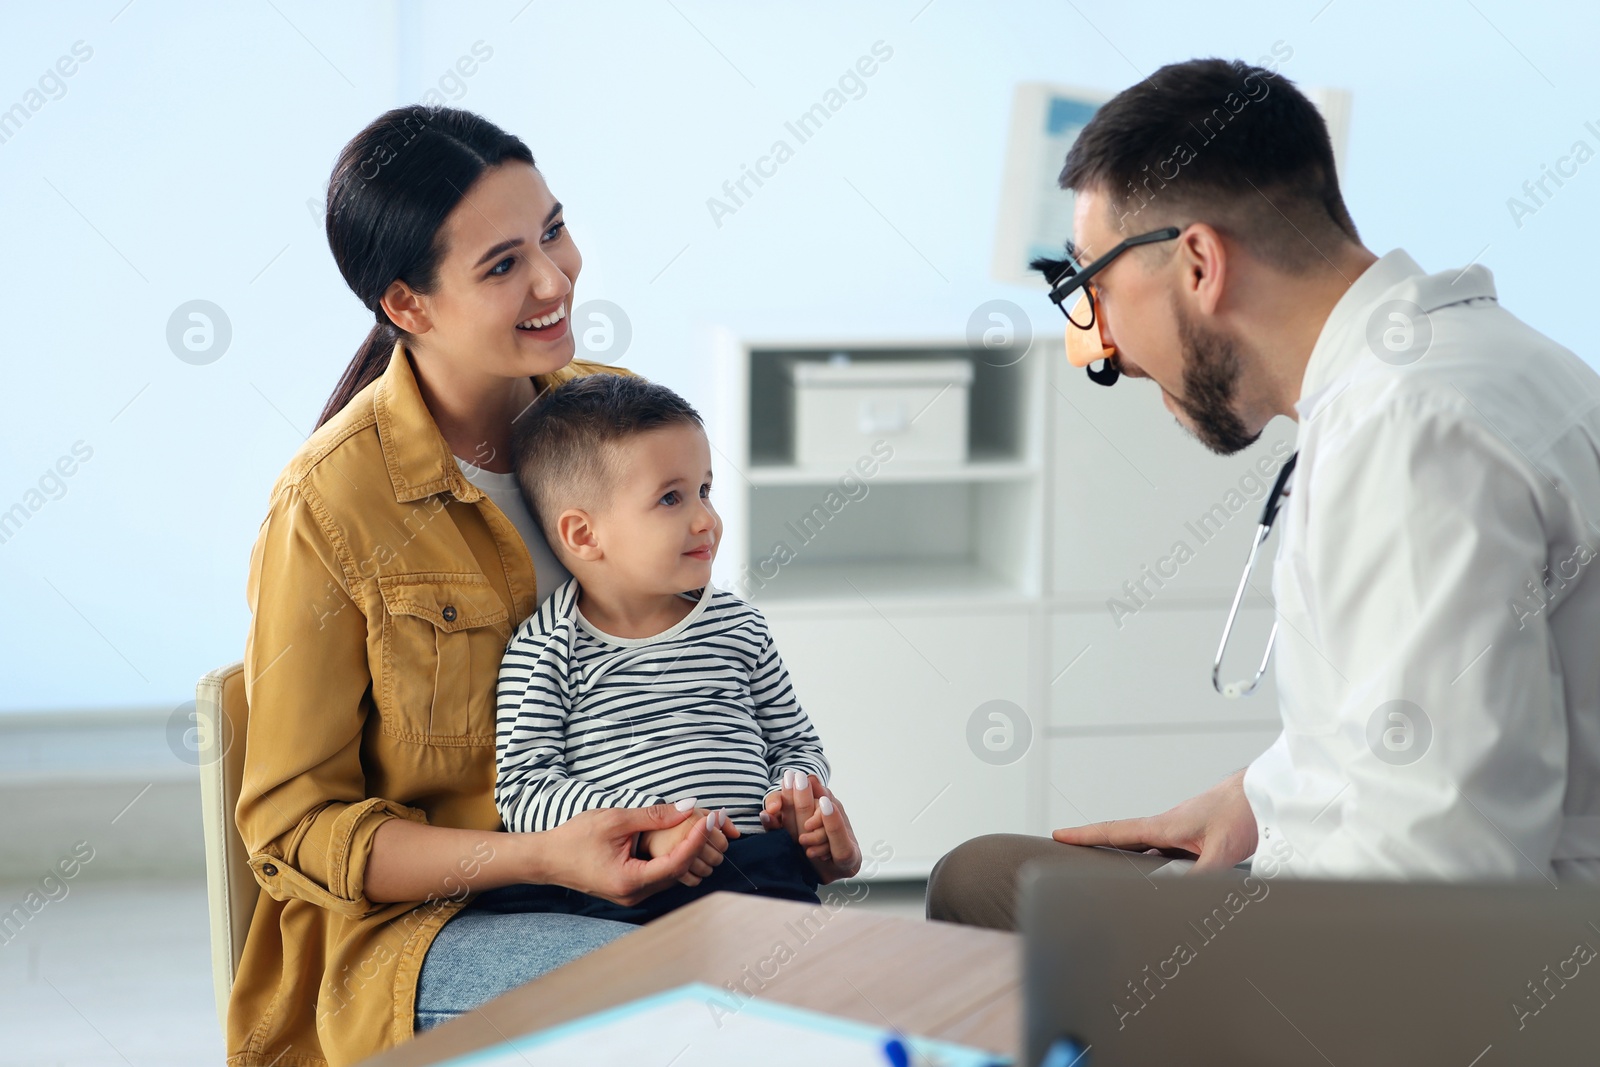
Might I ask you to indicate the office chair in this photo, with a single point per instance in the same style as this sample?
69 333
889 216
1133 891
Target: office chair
231 889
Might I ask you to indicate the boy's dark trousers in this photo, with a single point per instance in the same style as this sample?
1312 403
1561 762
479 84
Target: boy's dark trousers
770 864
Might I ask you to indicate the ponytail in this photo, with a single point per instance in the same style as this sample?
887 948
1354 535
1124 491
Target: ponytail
371 361
392 188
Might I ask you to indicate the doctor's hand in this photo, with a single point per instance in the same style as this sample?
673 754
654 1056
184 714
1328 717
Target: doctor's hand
1217 826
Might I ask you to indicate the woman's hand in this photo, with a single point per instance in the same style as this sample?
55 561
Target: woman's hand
719 831
592 852
824 830
790 805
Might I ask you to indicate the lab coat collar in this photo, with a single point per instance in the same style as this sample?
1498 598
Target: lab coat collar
1343 340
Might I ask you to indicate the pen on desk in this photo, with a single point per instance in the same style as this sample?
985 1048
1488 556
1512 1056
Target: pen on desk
899 1052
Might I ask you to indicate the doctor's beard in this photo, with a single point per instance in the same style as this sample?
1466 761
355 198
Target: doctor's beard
1210 380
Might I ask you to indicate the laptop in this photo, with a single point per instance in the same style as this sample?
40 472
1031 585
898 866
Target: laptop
1227 969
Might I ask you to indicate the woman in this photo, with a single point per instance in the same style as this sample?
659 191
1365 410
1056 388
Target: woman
383 586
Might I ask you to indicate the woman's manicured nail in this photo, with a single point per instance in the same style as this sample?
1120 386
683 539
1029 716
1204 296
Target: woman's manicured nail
802 782
788 779
826 805
686 803
711 821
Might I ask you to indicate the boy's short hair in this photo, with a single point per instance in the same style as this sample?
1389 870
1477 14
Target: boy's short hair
564 446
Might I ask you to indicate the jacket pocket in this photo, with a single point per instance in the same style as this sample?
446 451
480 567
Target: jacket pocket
443 637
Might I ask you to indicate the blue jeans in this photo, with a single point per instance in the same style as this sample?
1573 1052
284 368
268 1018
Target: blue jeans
479 954
513 934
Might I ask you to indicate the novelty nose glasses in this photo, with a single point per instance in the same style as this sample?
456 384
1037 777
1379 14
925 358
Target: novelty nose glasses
1074 278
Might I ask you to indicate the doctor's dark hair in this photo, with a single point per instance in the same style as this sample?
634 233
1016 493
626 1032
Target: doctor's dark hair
564 446
1218 141
391 190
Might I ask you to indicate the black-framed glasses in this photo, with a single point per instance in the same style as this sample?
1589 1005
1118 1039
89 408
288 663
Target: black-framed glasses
1073 277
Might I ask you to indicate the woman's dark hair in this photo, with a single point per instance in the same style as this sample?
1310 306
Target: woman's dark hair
392 188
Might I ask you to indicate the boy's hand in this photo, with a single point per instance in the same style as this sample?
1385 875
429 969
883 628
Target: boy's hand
719 829
772 814
827 837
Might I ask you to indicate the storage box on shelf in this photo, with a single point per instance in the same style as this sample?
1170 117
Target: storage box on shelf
912 596
886 516
843 406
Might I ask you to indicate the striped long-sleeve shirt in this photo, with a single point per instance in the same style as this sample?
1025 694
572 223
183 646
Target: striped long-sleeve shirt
704 709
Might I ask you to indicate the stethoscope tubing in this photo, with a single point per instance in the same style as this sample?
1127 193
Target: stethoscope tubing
1269 514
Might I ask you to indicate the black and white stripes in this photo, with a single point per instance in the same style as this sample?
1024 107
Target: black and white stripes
704 709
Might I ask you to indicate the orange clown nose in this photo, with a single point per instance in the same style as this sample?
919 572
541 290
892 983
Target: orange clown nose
1086 346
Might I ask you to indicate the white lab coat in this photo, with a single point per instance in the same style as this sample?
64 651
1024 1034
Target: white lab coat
1438 656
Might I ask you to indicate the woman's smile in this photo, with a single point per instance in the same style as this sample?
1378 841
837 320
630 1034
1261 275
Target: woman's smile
548 327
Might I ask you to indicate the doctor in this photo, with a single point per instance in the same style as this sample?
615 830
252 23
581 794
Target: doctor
1438 643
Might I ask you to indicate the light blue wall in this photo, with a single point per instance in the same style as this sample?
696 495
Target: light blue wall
178 162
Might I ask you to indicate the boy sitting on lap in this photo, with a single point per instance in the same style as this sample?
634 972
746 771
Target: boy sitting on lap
637 682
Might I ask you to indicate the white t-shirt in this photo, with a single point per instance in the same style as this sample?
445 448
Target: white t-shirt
548 571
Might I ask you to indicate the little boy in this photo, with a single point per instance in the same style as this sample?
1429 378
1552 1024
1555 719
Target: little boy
636 682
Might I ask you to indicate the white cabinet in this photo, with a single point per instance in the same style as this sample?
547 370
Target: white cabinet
1114 776
1153 669
1015 642
892 693
878 525
1141 511
1135 726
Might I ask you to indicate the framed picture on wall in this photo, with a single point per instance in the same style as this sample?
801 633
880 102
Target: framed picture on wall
1035 212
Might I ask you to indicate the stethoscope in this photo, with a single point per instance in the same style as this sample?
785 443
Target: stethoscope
1269 513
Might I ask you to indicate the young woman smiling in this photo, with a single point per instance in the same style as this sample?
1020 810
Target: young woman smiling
394 560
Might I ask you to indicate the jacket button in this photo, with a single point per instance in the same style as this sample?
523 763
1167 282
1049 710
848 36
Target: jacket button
449 613
269 870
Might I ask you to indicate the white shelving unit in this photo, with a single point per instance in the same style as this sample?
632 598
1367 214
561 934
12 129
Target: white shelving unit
907 600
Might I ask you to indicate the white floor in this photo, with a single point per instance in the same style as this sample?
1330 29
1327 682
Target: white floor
118 974
114 974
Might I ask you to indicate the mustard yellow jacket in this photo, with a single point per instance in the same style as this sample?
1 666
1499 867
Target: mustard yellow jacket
383 588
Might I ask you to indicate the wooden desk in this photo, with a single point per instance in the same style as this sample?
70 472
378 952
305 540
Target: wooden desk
935 979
